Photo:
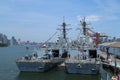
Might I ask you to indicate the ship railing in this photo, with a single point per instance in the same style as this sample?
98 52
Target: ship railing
52 60
92 61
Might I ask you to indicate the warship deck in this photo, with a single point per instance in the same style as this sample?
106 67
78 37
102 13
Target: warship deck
53 60
91 61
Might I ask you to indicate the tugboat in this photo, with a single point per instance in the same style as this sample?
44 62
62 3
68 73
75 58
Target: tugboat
86 60
53 56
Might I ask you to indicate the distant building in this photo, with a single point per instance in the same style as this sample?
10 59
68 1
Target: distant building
3 39
13 41
118 39
19 41
112 48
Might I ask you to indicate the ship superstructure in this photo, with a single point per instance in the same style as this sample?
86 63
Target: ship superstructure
86 60
53 56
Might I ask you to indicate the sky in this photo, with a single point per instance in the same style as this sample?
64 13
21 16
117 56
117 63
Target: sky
38 20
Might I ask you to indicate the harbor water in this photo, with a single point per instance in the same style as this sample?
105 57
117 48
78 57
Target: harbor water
9 70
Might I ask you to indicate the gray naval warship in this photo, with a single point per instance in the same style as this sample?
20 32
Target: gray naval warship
54 55
33 63
86 61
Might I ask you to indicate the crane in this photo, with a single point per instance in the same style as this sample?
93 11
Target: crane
87 32
95 36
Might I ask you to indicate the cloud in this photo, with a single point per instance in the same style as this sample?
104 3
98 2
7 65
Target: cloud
108 6
108 9
27 18
90 18
93 18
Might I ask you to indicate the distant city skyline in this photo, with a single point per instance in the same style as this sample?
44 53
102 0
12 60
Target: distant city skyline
37 20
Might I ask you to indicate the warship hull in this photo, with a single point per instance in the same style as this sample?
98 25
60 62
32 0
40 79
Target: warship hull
86 66
37 65
82 68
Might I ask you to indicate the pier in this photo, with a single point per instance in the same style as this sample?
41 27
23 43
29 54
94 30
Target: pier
110 56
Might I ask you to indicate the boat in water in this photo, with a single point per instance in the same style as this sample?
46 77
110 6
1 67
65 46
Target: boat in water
33 63
54 55
86 61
